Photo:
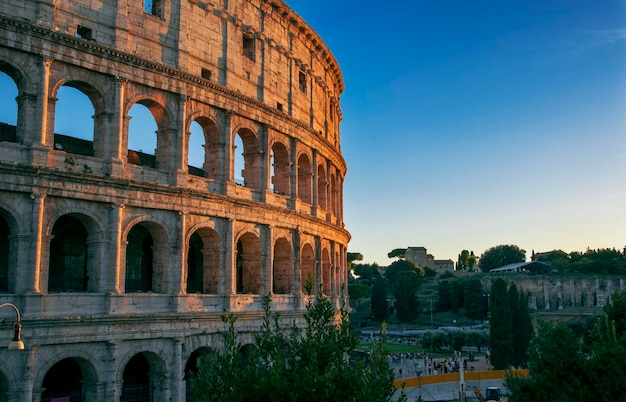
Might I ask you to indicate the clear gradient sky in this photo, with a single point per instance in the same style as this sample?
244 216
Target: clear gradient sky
470 124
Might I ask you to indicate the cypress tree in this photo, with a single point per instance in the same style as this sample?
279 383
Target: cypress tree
501 337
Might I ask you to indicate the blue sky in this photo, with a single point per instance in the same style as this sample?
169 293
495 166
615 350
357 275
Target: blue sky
468 125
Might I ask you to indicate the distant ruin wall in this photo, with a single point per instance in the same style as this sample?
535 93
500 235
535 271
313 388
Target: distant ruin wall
548 292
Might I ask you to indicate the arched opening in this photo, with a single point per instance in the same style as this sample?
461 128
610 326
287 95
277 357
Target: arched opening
142 136
136 386
204 149
279 169
322 187
195 150
282 267
245 352
307 270
5 247
4 388
203 262
139 260
73 120
248 264
8 108
305 178
68 256
195 263
247 156
64 382
191 369
326 287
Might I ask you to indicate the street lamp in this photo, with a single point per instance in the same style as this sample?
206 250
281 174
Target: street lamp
16 343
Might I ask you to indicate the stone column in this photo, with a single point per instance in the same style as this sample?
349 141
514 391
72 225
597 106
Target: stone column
112 388
117 141
179 151
546 296
41 140
267 259
315 195
178 275
28 277
228 258
178 384
296 277
112 276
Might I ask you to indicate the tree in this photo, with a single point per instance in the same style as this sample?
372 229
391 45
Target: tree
404 279
357 292
444 301
295 365
351 257
499 256
379 305
404 288
471 260
556 364
523 325
501 335
474 299
366 272
462 264
398 253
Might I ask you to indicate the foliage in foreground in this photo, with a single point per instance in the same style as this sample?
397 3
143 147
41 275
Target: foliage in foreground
565 368
294 364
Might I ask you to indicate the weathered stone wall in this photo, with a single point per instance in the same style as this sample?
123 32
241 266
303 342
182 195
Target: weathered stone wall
236 67
550 292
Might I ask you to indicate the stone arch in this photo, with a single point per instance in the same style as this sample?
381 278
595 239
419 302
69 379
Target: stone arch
69 255
191 368
143 378
93 143
282 267
280 166
211 166
72 377
322 187
8 383
326 285
160 159
248 264
9 130
9 228
204 262
305 179
251 170
307 269
147 254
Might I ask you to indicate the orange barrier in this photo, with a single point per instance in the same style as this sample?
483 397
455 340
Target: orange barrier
412 382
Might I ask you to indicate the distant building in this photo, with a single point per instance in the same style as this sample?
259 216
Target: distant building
533 267
420 257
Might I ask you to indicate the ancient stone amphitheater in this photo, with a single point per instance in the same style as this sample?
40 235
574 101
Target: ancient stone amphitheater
122 260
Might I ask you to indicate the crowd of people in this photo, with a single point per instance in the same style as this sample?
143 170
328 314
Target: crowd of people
414 364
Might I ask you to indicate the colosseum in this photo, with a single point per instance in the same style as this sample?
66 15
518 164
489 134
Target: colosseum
122 248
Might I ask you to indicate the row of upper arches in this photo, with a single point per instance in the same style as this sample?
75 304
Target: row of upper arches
77 257
165 132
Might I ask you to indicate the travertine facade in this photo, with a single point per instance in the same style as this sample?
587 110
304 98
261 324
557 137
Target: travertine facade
122 262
